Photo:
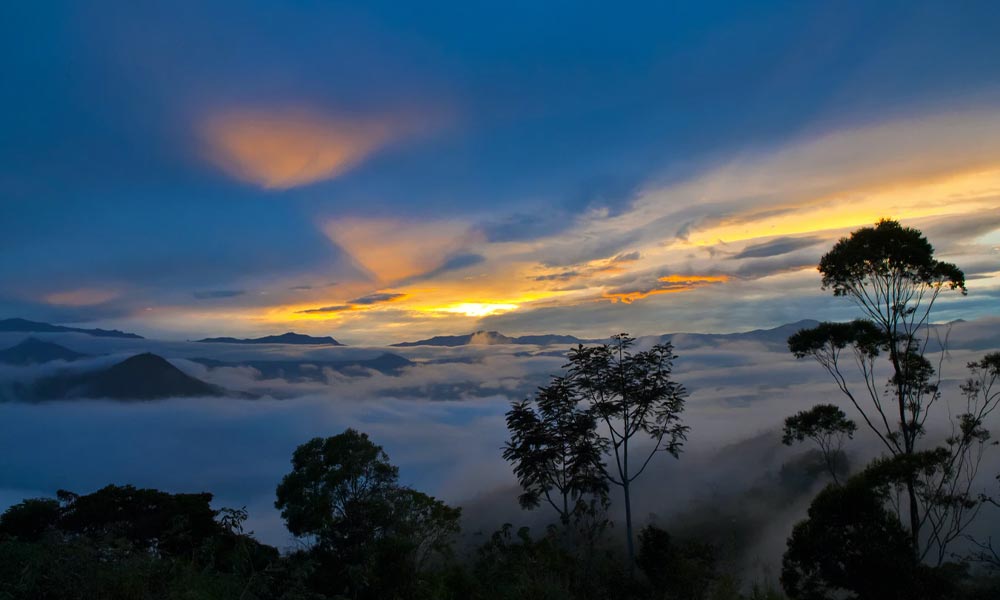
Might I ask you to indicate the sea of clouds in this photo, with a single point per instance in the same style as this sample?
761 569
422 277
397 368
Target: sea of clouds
442 422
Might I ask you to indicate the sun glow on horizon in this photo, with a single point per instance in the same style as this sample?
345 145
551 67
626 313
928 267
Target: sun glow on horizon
478 309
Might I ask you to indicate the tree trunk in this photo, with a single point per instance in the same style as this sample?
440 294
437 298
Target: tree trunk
628 530
914 518
909 442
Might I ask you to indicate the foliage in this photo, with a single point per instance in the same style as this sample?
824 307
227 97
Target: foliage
852 544
827 426
556 452
124 542
682 571
371 537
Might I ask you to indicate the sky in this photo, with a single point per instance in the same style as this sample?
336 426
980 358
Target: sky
382 172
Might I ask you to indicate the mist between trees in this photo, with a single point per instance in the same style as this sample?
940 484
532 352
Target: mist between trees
899 522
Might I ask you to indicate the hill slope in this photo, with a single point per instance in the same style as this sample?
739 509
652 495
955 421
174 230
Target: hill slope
141 377
34 351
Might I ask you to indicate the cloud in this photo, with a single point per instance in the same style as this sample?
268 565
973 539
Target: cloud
285 148
391 250
377 298
561 276
360 303
777 247
212 294
627 257
668 284
81 297
327 309
454 263
754 220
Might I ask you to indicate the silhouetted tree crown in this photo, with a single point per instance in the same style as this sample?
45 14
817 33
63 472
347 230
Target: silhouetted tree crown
371 536
556 451
879 259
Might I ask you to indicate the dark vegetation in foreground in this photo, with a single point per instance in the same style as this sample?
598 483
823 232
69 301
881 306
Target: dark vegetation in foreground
898 528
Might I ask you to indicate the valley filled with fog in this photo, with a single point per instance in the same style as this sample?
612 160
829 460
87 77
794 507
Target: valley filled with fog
439 413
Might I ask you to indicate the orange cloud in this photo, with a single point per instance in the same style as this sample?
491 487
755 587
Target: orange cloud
80 297
392 250
285 149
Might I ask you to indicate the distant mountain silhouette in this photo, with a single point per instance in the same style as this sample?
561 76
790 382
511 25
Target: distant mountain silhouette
34 351
141 377
292 370
776 337
772 337
285 338
492 337
24 325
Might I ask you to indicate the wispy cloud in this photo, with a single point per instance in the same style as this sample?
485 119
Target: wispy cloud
326 309
213 294
377 298
668 284
777 247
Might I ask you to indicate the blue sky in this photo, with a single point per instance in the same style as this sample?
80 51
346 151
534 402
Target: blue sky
234 168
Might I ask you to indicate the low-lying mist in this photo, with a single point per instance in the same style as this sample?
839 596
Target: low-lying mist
442 422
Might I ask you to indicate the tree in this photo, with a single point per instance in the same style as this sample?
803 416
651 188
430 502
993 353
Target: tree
337 486
556 452
632 394
149 519
30 519
890 273
371 536
851 545
982 393
125 542
680 571
827 426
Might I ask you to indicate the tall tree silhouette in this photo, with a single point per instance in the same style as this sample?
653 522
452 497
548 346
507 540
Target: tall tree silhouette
889 272
634 397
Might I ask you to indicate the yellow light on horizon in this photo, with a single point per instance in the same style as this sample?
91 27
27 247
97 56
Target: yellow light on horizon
478 309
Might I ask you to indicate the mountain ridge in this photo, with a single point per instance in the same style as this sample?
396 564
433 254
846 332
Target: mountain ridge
289 337
772 334
17 324
491 338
